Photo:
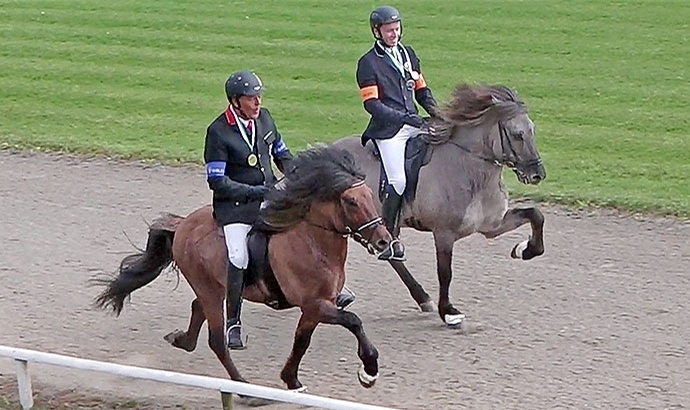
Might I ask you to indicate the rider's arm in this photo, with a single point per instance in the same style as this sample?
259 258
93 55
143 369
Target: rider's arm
369 91
224 188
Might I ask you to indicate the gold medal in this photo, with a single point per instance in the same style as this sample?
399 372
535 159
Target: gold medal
252 160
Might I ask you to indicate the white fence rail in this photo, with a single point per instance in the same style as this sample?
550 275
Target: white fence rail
23 356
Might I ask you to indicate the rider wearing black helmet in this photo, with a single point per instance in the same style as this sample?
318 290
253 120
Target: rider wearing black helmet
390 80
240 144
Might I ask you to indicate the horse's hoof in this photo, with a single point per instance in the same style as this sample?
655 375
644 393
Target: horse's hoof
365 379
301 389
517 252
453 320
427 307
172 336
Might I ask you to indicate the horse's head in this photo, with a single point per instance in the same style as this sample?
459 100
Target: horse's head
325 187
519 149
491 122
361 218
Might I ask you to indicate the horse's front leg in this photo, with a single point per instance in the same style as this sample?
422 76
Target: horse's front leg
516 217
416 290
324 311
444 256
367 352
305 329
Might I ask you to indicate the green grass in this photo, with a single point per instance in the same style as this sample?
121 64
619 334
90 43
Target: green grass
607 82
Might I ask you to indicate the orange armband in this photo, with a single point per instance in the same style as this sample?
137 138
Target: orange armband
419 83
369 92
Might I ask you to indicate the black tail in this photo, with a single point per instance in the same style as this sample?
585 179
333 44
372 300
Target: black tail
137 270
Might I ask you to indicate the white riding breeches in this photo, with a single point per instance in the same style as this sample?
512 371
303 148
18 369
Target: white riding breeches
393 156
236 243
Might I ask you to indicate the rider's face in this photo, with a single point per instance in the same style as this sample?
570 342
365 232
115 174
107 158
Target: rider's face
249 106
390 33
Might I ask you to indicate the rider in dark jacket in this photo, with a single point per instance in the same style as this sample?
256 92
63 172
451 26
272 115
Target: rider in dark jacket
239 146
390 80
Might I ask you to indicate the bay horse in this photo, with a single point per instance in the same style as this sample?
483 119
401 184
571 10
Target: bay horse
460 191
321 202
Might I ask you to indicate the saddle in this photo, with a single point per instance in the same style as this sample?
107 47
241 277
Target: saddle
417 154
259 268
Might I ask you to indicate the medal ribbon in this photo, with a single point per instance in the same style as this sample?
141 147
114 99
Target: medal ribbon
249 139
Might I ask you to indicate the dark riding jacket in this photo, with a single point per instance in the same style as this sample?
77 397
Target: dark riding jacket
388 95
235 172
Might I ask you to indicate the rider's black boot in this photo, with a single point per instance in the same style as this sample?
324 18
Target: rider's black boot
390 213
233 306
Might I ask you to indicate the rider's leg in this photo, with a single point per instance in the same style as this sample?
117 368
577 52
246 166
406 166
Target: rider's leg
238 260
393 157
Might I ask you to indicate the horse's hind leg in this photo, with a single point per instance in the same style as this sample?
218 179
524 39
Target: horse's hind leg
213 308
416 290
188 340
515 218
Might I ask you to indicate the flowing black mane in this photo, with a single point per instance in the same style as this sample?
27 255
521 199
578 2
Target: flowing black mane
472 105
320 173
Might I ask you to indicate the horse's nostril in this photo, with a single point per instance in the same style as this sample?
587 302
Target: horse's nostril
382 244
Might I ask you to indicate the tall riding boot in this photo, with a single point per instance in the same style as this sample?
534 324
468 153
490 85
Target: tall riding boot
390 213
233 307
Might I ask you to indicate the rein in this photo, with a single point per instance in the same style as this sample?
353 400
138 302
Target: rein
506 159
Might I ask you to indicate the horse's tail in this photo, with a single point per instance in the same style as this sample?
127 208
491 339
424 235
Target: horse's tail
140 269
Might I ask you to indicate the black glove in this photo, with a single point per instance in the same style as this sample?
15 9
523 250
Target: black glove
413 120
257 193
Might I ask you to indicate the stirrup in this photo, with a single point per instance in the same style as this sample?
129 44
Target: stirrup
345 298
391 255
234 343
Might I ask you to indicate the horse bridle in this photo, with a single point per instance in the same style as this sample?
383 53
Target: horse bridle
506 159
355 234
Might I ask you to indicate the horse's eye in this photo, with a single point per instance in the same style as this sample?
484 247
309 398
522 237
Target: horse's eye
520 135
351 201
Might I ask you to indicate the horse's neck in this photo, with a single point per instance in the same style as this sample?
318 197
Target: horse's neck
478 140
323 217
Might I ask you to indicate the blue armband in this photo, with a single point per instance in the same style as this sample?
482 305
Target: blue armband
279 147
215 169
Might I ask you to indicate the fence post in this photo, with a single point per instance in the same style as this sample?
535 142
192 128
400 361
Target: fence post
26 397
226 399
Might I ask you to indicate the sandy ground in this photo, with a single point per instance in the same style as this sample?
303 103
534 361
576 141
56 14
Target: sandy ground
596 323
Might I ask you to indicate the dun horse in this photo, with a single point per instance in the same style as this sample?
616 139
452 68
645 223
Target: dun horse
460 190
303 264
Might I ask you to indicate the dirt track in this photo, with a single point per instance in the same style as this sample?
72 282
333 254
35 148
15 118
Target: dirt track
597 322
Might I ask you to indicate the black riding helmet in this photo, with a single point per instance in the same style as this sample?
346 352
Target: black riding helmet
383 15
243 83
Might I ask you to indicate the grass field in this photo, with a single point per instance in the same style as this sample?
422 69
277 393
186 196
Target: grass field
607 82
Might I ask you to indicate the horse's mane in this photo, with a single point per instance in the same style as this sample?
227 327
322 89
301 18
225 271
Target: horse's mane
320 173
469 105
